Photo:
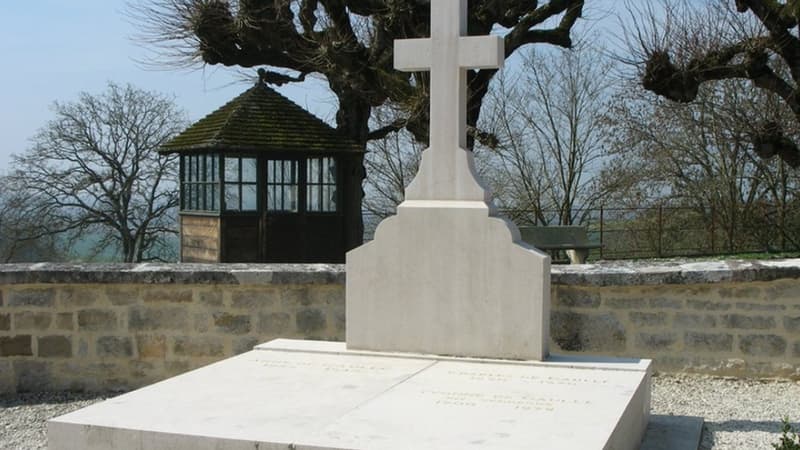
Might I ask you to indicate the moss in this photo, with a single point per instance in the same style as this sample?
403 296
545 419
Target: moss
260 119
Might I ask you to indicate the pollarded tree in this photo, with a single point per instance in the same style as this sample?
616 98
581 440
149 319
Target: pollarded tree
700 155
94 168
685 46
349 42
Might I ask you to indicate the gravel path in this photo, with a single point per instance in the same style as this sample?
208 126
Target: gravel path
739 414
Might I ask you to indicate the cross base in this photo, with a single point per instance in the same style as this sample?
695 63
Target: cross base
448 278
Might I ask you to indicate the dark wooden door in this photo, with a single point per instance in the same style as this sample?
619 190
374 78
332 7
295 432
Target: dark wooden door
302 219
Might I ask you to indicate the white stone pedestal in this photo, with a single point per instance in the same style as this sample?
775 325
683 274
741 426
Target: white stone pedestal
448 278
318 395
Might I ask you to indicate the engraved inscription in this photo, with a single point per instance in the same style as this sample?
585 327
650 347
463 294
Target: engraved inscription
537 379
323 366
518 402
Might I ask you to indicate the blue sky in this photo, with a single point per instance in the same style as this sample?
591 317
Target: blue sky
54 49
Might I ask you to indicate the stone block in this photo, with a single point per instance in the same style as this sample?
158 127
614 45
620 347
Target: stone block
341 321
5 322
574 331
33 376
783 290
77 297
648 319
212 297
571 297
273 324
748 322
123 295
173 368
16 345
255 299
114 347
710 342
197 346
54 347
97 320
158 318
32 320
151 346
168 295
656 341
763 345
83 347
700 321
665 303
310 321
202 322
245 344
325 296
760 307
232 323
7 382
294 296
705 305
623 303
792 324
141 369
743 291
37 298
64 321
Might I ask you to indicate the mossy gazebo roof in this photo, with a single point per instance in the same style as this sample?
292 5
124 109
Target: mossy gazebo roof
261 119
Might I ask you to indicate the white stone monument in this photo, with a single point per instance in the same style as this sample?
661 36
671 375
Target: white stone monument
445 275
447 332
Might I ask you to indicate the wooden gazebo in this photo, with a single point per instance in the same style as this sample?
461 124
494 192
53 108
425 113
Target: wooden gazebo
263 180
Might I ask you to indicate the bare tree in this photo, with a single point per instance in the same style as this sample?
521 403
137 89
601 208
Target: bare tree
391 164
685 45
21 237
349 42
700 154
547 118
94 168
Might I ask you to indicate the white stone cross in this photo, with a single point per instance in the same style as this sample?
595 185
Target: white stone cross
447 170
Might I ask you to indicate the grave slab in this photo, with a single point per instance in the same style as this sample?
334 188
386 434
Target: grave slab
318 395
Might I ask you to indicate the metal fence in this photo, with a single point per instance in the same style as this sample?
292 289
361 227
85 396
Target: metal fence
672 231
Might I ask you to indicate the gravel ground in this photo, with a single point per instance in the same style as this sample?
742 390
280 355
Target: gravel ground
739 414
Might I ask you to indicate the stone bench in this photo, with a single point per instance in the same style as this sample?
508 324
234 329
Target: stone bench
569 238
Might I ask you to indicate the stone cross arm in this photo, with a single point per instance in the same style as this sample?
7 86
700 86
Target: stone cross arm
474 52
447 171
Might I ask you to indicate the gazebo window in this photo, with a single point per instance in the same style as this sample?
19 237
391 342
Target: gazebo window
321 185
200 183
241 184
282 185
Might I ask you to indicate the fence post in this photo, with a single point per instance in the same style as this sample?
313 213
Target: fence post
660 229
713 230
601 231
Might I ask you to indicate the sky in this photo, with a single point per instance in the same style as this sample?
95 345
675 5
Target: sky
52 50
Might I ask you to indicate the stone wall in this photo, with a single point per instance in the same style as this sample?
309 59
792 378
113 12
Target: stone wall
101 327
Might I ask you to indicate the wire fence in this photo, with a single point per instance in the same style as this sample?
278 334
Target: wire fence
673 231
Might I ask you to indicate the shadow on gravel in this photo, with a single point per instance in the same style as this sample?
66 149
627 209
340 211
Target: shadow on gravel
741 426
772 426
38 398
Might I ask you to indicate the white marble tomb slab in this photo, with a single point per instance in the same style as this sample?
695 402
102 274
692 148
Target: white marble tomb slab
318 395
